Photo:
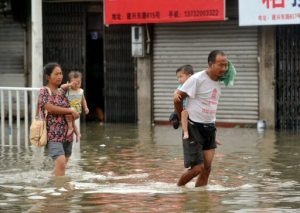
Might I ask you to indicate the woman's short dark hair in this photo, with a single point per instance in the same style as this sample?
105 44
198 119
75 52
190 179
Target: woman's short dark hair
213 55
48 68
187 69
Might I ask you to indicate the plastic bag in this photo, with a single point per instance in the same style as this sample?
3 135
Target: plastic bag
229 76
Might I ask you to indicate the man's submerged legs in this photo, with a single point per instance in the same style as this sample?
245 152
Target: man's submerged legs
202 180
189 174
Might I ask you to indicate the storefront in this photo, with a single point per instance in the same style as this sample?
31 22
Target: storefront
279 20
288 77
74 35
190 43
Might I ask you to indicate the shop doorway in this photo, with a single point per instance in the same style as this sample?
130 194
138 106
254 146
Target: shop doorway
95 67
119 75
110 72
288 77
75 37
63 36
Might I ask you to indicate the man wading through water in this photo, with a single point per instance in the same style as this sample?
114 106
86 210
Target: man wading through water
203 90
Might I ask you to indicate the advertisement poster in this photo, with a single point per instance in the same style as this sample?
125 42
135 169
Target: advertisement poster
162 11
269 12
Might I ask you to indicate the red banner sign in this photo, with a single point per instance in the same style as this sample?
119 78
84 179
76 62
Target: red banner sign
162 11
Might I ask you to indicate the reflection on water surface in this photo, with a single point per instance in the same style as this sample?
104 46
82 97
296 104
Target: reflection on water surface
129 168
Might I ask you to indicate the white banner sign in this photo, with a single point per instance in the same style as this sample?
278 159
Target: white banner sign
269 12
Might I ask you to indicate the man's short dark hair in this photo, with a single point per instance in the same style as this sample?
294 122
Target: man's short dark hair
187 69
213 55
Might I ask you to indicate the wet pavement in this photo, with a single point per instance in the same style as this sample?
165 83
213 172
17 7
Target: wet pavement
130 168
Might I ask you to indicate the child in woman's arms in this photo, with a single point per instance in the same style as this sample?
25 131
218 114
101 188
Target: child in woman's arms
76 100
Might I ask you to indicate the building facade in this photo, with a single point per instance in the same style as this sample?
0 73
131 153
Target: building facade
139 90
266 59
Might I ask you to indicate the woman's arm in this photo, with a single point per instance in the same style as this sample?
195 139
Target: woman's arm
52 109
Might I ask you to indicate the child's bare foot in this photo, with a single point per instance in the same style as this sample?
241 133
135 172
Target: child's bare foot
78 136
185 135
218 142
70 131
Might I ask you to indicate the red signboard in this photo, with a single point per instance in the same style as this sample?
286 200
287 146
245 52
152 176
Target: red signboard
162 11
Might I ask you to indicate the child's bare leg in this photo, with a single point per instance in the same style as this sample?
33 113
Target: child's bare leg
100 114
76 131
184 123
70 121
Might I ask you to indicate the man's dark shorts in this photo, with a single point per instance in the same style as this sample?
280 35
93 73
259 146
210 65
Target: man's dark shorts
201 137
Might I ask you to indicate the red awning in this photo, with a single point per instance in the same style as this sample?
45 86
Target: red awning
162 11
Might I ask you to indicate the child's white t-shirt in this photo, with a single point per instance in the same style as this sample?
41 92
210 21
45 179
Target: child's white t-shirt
204 94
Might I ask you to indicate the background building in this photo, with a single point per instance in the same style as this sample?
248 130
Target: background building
139 89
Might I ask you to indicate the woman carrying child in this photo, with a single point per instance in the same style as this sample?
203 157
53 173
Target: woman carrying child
54 101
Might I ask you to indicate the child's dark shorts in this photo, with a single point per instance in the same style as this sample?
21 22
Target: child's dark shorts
202 136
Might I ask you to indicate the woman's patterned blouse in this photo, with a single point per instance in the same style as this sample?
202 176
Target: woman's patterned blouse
56 124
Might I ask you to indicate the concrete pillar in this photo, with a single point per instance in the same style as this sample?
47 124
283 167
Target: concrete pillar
36 44
144 90
267 69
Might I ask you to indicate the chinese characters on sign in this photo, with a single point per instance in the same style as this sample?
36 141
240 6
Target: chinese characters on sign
269 12
296 3
274 3
166 11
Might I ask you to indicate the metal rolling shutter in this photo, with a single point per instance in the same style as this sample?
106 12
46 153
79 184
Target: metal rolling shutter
120 76
12 50
190 43
64 36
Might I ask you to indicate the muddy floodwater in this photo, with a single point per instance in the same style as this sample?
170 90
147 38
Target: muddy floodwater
131 168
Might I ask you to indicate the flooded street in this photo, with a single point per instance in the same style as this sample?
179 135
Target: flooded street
129 168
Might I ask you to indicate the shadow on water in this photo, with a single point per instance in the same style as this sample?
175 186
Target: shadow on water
129 168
